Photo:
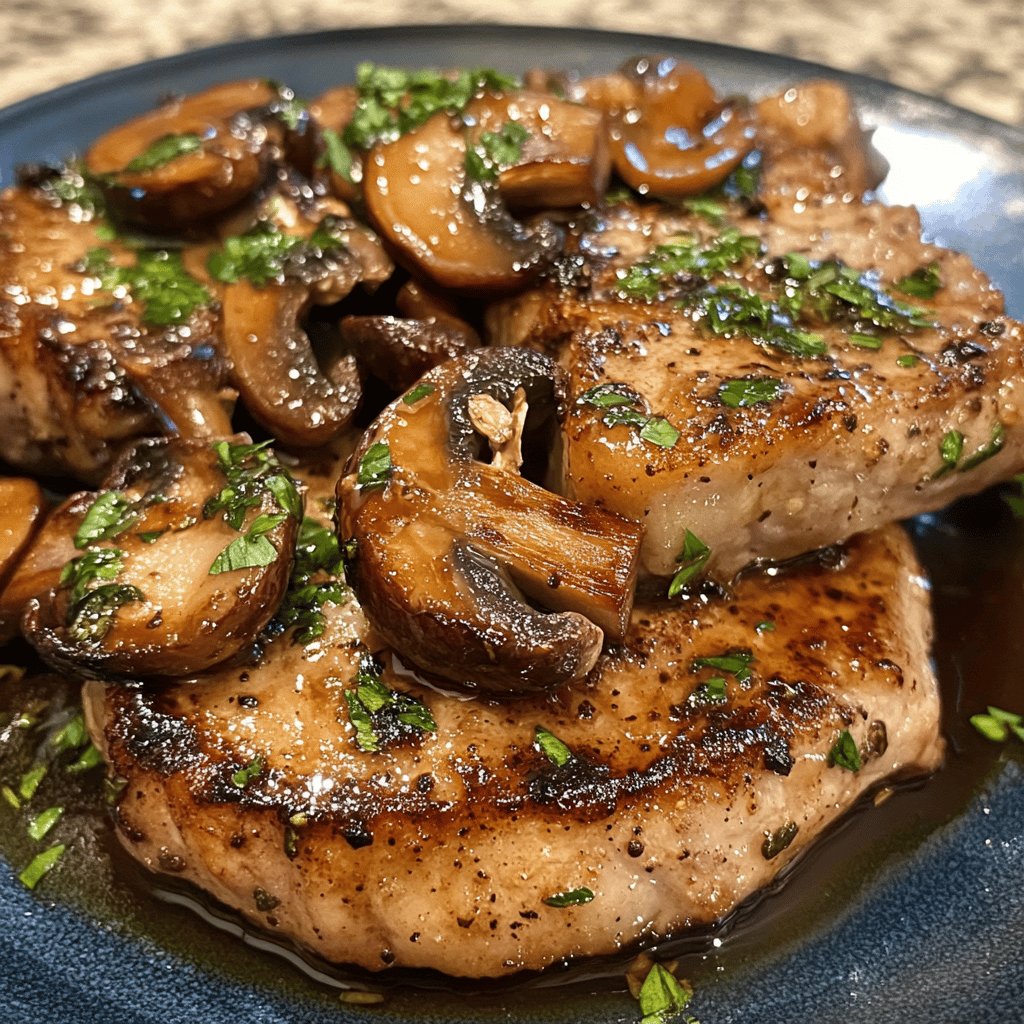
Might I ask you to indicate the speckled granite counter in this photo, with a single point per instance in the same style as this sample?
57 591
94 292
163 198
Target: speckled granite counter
970 52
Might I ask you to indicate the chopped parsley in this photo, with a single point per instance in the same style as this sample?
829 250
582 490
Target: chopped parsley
686 258
493 152
548 744
735 663
994 445
43 822
418 392
162 151
252 473
663 997
336 155
374 709
951 447
908 360
88 759
266 253
72 185
374 467
29 782
779 840
844 753
157 280
107 517
619 408
91 603
693 558
393 101
743 392
73 735
923 283
711 691
253 770
570 898
997 725
317 579
713 210
41 865
766 626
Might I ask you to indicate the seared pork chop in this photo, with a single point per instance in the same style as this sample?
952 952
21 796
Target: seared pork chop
339 801
820 374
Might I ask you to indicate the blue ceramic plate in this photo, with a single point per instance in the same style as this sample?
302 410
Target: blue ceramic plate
911 912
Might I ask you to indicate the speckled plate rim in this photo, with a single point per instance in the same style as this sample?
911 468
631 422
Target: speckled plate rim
914 946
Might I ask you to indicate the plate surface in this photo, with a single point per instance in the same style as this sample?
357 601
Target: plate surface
934 935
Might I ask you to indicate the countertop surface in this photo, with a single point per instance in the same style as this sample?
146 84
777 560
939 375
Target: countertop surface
970 52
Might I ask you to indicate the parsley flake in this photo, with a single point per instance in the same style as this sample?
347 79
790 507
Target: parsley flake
43 822
41 865
570 898
693 558
162 151
373 709
253 770
493 152
108 516
997 725
618 406
551 747
779 840
711 691
374 467
662 996
266 253
993 447
743 392
418 392
844 753
923 283
317 580
951 447
735 663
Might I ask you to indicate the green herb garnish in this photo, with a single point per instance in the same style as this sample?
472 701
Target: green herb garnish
317 579
779 840
374 467
336 155
551 747
245 552
371 698
265 253
90 611
663 997
157 280
687 257
29 782
40 865
907 361
993 447
743 392
711 209
162 151
951 447
493 152
253 770
619 409
108 516
923 283
89 758
712 691
393 101
844 753
735 663
997 725
570 898
43 822
73 735
767 626
693 558
418 392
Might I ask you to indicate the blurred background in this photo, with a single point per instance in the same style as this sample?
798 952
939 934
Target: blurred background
970 52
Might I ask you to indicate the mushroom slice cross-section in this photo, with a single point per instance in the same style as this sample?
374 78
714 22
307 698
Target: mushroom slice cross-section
447 545
180 562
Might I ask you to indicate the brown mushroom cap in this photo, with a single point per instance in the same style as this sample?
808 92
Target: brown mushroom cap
448 544
563 161
450 230
399 351
170 611
674 137
196 185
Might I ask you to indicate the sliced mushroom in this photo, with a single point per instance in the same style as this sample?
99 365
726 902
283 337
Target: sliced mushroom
213 143
454 231
675 137
181 562
276 370
563 159
447 544
399 351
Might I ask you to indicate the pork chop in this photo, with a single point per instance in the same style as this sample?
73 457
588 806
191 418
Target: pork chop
335 799
774 385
